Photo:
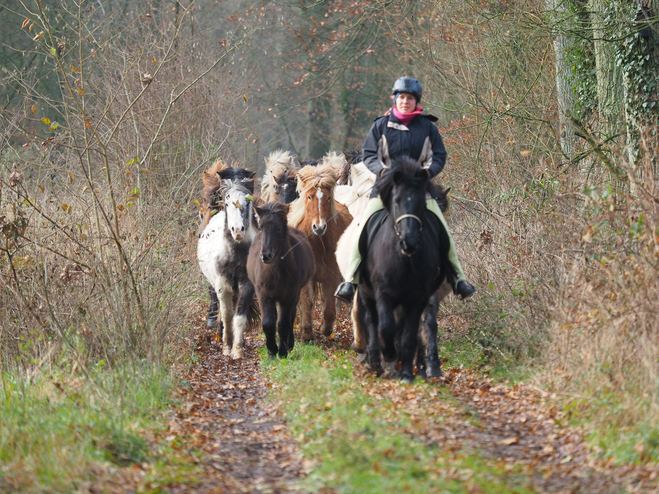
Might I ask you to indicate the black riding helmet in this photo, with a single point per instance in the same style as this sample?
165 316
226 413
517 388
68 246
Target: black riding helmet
408 85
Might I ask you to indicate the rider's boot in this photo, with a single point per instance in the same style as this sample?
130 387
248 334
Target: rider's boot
463 289
345 292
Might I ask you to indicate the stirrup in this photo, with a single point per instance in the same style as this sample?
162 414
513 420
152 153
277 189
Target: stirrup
345 292
463 289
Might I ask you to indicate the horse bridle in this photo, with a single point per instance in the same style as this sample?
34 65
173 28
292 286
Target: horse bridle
404 216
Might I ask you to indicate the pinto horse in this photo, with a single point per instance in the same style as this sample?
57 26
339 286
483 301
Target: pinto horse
280 263
315 214
222 253
280 180
407 262
211 203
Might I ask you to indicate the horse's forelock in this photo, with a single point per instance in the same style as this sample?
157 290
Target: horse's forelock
310 177
280 157
405 168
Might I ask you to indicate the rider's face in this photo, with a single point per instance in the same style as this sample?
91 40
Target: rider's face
405 102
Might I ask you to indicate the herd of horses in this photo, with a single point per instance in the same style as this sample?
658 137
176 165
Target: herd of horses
272 255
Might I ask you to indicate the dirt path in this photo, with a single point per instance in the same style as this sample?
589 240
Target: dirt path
248 449
243 446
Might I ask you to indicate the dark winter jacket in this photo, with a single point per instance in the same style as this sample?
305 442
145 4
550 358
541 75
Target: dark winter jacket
403 140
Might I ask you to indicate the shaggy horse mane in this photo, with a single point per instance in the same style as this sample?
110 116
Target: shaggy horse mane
276 163
310 177
274 208
340 165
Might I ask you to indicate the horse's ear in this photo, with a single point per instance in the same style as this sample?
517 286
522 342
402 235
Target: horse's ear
226 173
258 210
383 152
447 190
250 174
425 160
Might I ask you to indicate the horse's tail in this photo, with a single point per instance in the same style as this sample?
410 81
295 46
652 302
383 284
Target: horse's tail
254 315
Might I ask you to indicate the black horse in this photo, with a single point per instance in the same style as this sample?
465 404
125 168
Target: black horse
280 263
407 261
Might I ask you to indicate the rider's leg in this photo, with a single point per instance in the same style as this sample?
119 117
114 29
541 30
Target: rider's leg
346 290
461 286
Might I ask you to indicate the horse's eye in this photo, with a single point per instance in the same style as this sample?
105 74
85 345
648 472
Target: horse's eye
309 197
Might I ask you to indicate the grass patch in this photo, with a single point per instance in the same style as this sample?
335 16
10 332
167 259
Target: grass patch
60 429
357 441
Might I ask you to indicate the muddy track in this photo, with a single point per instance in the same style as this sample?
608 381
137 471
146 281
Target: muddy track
247 447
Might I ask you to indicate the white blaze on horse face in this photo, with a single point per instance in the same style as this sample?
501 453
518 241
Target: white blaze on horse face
319 196
237 209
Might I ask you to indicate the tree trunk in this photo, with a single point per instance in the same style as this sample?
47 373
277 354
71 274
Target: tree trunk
610 94
566 98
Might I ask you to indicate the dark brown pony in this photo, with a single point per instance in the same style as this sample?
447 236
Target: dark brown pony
280 263
315 214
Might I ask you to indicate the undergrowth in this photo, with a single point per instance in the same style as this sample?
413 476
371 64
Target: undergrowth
60 428
356 442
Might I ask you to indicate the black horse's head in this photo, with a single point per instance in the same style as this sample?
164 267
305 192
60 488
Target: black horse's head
274 230
402 188
285 186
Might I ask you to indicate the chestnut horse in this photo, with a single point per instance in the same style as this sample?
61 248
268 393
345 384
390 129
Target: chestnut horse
280 181
317 215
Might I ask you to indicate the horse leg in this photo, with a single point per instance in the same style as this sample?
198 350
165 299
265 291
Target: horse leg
386 327
428 337
245 296
329 312
306 311
359 330
269 325
212 310
285 327
409 340
370 318
226 309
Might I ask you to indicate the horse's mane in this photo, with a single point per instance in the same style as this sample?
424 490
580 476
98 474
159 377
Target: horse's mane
311 177
211 181
211 197
361 178
404 169
411 172
353 156
309 162
276 163
236 178
274 208
340 165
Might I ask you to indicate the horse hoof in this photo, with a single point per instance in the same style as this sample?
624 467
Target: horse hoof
226 351
326 329
390 369
421 373
434 371
211 322
307 340
272 356
283 355
236 354
407 379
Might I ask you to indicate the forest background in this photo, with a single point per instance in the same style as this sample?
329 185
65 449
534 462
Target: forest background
111 109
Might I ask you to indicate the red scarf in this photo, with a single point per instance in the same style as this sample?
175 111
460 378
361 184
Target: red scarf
406 118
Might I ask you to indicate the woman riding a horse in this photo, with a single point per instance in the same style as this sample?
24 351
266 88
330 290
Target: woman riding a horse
403 131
